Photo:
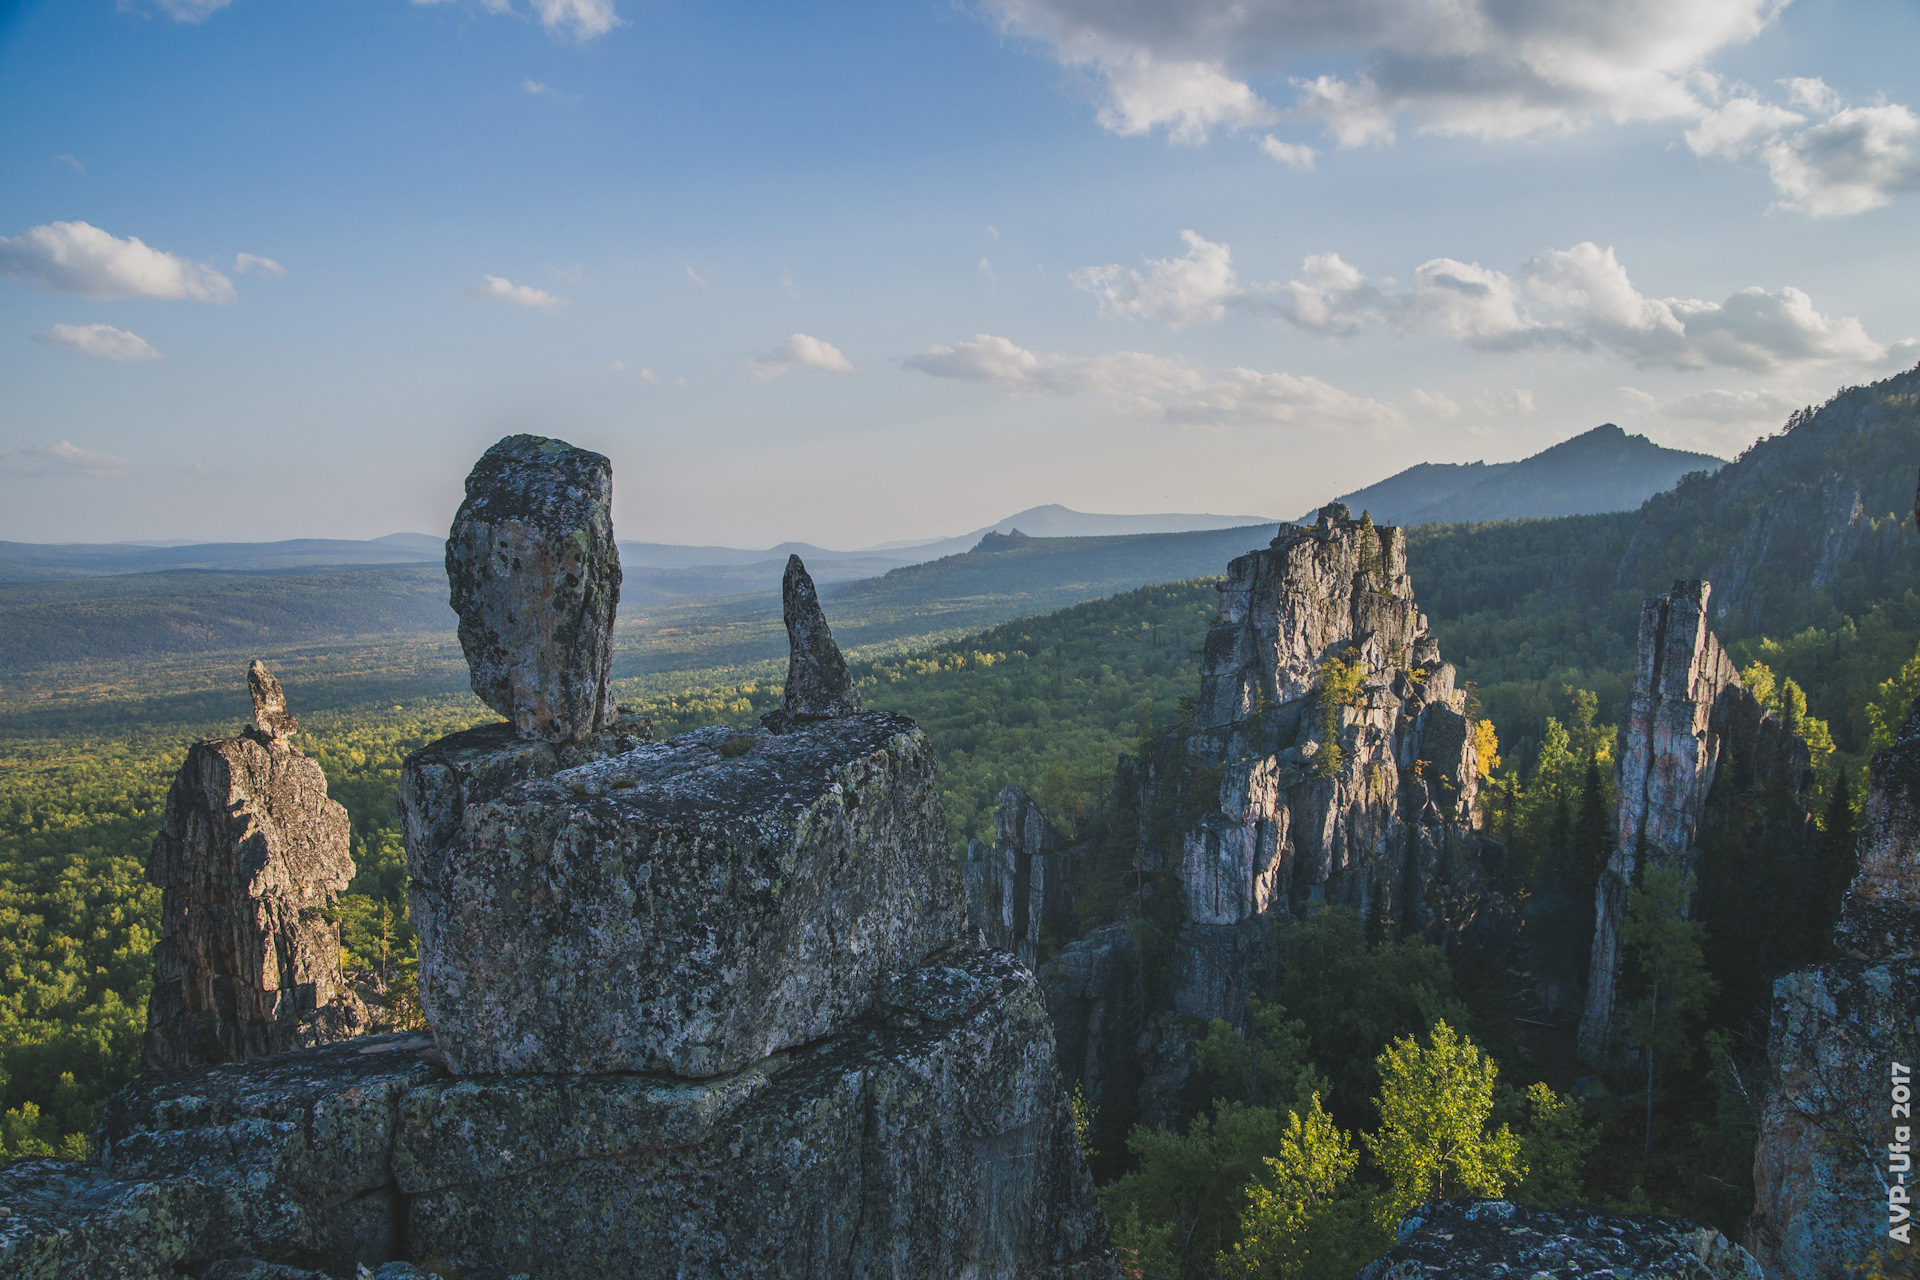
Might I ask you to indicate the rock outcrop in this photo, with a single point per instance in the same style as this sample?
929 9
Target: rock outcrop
250 855
1832 1165
1017 887
535 578
1688 720
700 1008
818 685
1329 758
1501 1240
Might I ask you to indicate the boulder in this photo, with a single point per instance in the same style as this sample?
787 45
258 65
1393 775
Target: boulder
249 856
535 578
69 1221
1501 1240
686 907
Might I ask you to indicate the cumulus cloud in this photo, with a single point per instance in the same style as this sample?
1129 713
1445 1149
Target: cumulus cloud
66 458
1437 403
80 258
1179 291
520 295
1852 160
797 354
584 20
191 10
101 340
245 262
1484 68
1294 155
1733 408
1141 380
1578 299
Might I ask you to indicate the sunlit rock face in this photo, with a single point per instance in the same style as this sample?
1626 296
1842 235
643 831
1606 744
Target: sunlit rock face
1828 1149
249 857
535 578
1689 719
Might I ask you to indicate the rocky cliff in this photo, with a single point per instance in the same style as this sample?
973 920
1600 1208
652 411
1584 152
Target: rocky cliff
698 1008
1689 719
1832 1167
1329 758
1501 1240
250 855
1019 886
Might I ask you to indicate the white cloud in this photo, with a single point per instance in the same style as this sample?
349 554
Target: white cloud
1515 400
986 269
71 162
1179 291
101 340
1486 68
1733 408
80 258
696 277
1168 385
1437 403
584 20
649 377
798 353
245 262
1856 159
1578 299
1292 154
534 86
67 458
520 295
191 10
1640 399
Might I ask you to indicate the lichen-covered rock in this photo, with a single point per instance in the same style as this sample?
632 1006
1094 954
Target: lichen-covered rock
1500 1240
936 1145
1688 714
1825 1155
69 1221
250 855
1096 1006
818 685
293 1151
688 906
270 714
535 578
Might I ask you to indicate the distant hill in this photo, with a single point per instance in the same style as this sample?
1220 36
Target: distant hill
47 562
1598 471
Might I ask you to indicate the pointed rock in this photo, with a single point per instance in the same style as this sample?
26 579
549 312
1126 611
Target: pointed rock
270 715
535 577
818 686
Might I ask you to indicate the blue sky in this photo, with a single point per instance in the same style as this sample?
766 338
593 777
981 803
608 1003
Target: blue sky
860 272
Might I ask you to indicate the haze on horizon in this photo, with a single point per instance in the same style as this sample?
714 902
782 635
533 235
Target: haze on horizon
858 273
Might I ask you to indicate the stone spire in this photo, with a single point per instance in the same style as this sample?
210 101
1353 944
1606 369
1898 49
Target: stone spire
535 577
249 856
818 686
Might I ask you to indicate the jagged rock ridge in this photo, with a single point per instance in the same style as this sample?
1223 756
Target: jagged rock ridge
249 856
1501 1240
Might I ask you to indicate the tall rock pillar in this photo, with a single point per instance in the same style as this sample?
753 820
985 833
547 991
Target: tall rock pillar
250 854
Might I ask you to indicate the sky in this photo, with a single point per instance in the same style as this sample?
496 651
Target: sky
859 272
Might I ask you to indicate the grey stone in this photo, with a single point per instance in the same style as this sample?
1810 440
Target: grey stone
1501 1240
535 578
60 1220
1822 1158
818 685
294 1151
249 856
940 1149
1688 717
688 906
254 1269
1017 887
270 714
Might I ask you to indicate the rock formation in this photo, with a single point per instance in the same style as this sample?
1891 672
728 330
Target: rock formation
1832 1164
699 1008
1329 759
535 577
1688 718
1017 886
818 686
1500 1240
249 856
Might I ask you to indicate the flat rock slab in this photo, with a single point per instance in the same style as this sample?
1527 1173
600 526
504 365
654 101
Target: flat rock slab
1501 1240
688 907
930 1140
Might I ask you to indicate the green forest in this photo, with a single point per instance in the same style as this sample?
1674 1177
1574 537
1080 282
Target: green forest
1377 1072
